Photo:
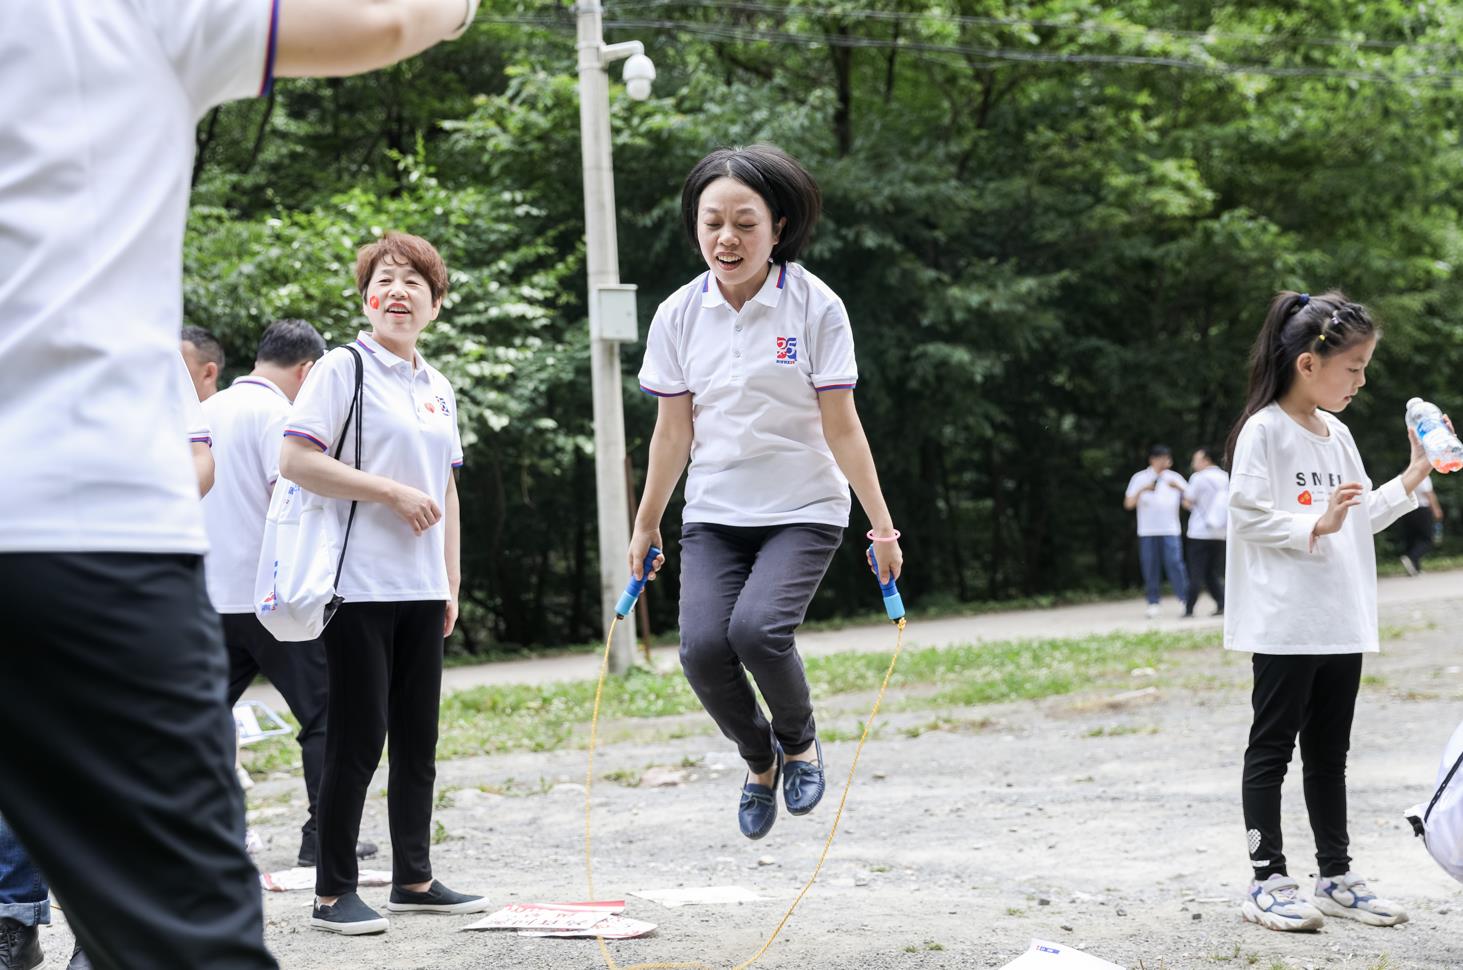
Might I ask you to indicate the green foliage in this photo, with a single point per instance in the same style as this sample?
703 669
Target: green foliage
1055 250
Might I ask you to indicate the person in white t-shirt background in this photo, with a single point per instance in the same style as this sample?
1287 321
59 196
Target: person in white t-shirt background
110 649
1419 527
399 580
753 366
1301 582
1157 493
1207 499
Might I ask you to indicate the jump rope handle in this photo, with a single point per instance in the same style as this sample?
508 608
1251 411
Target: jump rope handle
893 602
633 588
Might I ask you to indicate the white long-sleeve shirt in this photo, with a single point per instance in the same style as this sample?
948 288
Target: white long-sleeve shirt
1281 595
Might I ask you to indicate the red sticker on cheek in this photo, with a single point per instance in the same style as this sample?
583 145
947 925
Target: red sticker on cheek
375 303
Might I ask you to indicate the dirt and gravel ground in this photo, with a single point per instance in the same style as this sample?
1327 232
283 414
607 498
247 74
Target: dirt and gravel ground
1107 820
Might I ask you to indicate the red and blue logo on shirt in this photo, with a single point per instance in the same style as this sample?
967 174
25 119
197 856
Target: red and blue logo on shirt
787 350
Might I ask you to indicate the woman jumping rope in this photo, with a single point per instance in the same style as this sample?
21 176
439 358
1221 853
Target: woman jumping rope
753 365
1301 590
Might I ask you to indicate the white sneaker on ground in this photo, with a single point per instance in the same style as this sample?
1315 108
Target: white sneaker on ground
1152 611
1276 904
1407 565
1349 896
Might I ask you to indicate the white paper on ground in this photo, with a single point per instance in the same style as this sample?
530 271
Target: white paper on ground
611 928
1057 956
549 917
291 880
699 896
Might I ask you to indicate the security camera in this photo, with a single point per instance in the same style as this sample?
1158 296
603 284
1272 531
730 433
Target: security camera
639 72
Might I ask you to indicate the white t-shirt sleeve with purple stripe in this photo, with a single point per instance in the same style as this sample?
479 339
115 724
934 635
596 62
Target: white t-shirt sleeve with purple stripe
324 400
222 50
194 419
831 354
663 372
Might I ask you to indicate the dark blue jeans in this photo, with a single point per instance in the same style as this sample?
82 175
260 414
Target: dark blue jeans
23 893
1158 555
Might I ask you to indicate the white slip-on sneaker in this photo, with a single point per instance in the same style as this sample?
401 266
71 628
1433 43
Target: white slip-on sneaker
1152 612
1350 897
1276 904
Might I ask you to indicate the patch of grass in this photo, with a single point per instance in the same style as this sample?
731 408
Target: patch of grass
439 832
934 946
1118 730
1390 566
623 776
548 717
444 796
1015 911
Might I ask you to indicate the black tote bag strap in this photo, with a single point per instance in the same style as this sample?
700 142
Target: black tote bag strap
1442 788
357 410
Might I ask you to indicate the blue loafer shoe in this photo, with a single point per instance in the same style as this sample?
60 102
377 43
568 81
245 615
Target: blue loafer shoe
803 784
758 808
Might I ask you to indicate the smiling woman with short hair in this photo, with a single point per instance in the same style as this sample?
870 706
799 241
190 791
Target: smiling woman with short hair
400 579
753 366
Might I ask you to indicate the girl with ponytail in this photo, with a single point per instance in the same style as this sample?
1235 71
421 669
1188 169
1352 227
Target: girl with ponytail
1301 585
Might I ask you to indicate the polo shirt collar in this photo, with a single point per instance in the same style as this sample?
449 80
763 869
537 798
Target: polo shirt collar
376 349
768 295
260 382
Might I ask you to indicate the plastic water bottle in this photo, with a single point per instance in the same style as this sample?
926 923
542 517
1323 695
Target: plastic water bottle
1443 448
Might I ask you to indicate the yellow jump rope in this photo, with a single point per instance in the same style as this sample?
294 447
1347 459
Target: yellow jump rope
895 608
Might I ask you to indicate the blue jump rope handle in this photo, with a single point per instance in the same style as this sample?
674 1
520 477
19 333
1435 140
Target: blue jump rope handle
633 588
893 602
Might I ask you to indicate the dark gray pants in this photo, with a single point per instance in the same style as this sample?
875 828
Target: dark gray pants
744 591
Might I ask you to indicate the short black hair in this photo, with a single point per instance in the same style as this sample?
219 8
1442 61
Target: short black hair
208 346
290 342
772 173
1160 451
1207 452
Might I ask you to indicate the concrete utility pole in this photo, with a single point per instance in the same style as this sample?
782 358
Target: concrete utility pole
611 305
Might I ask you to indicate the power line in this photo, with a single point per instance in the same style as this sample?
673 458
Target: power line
1083 26
996 55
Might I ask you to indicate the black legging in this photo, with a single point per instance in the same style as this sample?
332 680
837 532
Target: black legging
1313 697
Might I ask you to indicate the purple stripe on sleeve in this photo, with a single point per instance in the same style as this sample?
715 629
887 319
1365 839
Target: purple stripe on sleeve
654 393
267 84
291 433
835 387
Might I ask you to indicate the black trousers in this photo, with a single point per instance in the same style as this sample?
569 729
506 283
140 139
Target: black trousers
1206 568
1313 697
297 670
1417 533
385 670
744 591
118 763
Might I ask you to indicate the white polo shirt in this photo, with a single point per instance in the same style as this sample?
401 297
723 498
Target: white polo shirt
1209 491
100 102
758 455
247 419
1158 510
409 436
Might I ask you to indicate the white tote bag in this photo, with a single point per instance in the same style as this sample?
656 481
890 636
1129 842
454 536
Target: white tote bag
1440 821
303 550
